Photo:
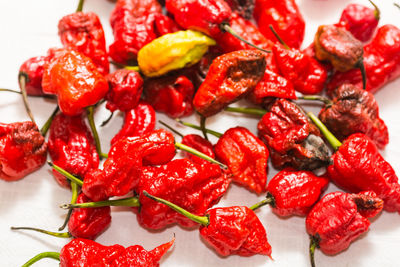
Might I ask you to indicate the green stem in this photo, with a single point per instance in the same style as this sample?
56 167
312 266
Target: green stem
250 111
333 141
199 154
361 66
104 123
313 245
75 193
217 134
10 90
226 27
278 37
327 101
47 124
268 200
52 255
203 126
80 6
170 128
134 68
66 174
22 78
61 235
397 5
377 12
124 202
90 111
203 220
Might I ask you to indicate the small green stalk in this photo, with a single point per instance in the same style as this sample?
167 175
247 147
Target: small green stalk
124 202
217 134
61 235
80 6
90 111
325 100
199 154
333 141
203 126
75 193
250 111
23 78
269 200
171 129
361 66
45 128
66 174
134 68
313 245
396 5
278 37
51 255
10 90
377 12
104 123
203 220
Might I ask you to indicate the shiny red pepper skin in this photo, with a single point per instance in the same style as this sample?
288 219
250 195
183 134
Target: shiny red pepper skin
33 69
172 95
137 122
340 218
358 166
75 80
360 20
82 31
381 60
71 147
307 75
23 150
292 139
201 15
235 230
295 192
122 170
200 144
354 110
126 86
246 157
229 78
88 223
284 16
137 8
195 187
83 252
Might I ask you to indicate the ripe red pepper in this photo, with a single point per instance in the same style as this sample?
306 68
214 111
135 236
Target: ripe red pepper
292 139
200 144
354 110
75 80
381 60
230 77
340 218
82 31
284 16
172 95
22 150
138 8
246 156
137 122
126 86
71 147
33 69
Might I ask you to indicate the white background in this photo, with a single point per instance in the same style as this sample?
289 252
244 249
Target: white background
29 28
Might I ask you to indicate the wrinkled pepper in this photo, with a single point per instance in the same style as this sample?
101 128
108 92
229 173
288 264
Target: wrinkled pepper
200 144
33 69
137 8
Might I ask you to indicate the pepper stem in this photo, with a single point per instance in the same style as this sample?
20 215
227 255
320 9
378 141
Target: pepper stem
397 5
267 201
361 66
278 37
80 6
52 255
45 128
326 100
134 68
203 126
313 245
251 111
104 123
10 90
124 202
22 78
377 12
333 141
203 220
199 154
90 111
75 191
61 235
66 174
188 124
226 27
170 128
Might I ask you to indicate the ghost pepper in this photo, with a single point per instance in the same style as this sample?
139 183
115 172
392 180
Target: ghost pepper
33 69
137 8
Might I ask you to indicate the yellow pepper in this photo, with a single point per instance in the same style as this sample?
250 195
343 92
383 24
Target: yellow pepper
173 51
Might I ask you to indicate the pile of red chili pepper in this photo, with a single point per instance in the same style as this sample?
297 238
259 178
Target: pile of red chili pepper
195 58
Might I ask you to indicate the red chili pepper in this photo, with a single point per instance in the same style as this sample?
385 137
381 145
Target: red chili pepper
340 218
75 80
381 61
33 69
82 31
284 16
230 77
71 147
200 144
172 95
138 8
242 7
23 150
138 121
126 86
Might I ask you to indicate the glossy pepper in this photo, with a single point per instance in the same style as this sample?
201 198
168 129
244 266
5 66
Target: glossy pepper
284 16
82 31
338 219
172 95
354 110
23 150
71 147
33 69
75 80
126 87
229 230
84 252
137 122
381 60
230 77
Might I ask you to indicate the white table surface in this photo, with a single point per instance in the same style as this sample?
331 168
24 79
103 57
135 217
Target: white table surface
29 28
